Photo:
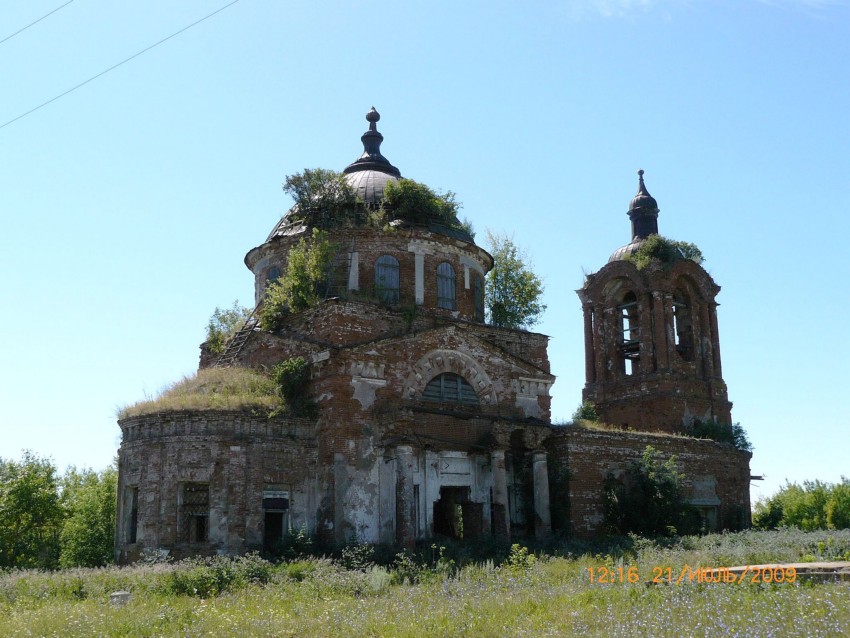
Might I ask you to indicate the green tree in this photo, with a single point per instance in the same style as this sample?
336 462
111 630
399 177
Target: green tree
512 290
810 506
224 323
586 412
292 377
30 513
731 433
838 506
650 500
419 204
308 270
319 188
87 537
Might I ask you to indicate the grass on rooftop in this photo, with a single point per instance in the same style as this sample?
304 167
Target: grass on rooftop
212 389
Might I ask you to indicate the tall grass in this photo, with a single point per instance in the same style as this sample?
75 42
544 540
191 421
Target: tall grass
213 389
522 596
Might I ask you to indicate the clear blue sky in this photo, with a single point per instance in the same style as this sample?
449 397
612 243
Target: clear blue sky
128 205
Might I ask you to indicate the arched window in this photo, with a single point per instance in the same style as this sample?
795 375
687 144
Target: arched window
387 279
478 292
450 388
446 286
629 333
272 275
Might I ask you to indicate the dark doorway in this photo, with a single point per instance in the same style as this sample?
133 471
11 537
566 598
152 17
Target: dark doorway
456 516
273 531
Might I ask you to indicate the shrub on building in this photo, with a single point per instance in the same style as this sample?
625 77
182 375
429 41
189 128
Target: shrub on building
648 499
224 324
664 251
308 270
729 433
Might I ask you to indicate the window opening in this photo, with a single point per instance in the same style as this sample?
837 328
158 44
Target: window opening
133 524
683 329
450 388
273 275
387 279
196 512
629 333
478 292
446 286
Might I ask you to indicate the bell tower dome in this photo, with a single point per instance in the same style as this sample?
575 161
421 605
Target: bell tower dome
652 349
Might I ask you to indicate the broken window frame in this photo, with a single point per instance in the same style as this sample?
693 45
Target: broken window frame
195 513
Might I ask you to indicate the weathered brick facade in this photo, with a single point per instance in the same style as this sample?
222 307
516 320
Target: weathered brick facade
428 420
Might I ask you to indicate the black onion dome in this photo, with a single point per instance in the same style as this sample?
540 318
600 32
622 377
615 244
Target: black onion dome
370 172
643 213
643 201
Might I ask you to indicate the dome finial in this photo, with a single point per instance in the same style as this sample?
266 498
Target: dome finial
372 117
371 159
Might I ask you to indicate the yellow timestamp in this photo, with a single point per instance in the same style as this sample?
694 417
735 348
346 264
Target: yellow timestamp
751 574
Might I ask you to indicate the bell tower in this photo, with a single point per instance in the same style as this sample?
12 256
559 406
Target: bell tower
652 349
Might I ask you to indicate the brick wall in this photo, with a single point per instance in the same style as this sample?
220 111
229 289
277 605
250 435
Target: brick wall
711 470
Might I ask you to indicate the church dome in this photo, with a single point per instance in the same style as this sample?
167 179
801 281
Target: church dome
370 172
369 184
643 213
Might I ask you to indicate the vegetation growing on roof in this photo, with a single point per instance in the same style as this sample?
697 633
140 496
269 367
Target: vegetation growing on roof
324 199
224 324
664 251
304 282
213 389
417 203
319 188
730 433
586 412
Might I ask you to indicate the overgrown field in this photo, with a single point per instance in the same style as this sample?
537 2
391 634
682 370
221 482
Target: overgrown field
433 594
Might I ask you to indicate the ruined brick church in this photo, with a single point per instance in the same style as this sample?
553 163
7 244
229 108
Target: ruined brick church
430 422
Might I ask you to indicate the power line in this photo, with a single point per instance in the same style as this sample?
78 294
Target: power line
9 37
115 66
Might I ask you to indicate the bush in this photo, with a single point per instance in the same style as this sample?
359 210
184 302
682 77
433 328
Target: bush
664 251
586 412
650 500
301 286
205 577
292 377
224 324
416 203
731 433
319 188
